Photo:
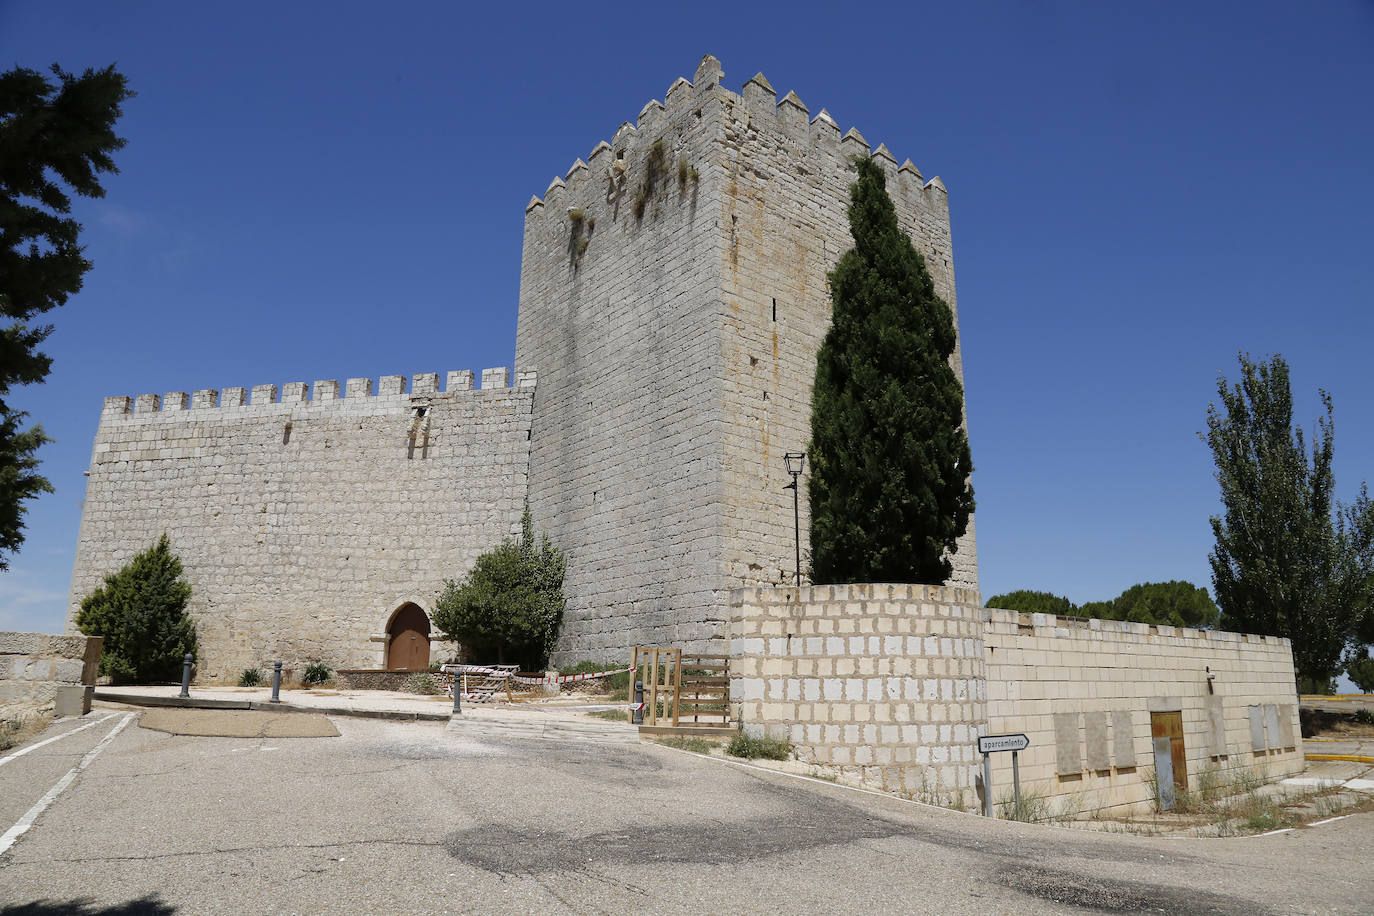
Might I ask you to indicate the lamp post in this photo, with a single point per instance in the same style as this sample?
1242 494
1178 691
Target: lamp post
795 461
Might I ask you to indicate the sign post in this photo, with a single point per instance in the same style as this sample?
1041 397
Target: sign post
992 744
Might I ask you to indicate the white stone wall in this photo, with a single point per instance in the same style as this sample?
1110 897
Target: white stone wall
42 673
303 523
1083 691
885 683
670 388
893 684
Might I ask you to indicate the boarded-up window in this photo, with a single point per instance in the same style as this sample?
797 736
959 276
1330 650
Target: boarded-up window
1216 726
1286 726
1271 727
1095 731
1123 739
1068 746
1257 728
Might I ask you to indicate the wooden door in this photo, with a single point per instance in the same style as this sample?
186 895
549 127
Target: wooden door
1170 725
408 648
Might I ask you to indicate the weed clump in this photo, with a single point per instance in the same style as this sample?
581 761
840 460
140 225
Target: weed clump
752 748
250 677
423 683
316 673
695 745
579 235
655 168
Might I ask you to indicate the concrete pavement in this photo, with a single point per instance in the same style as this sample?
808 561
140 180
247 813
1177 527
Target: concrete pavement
395 817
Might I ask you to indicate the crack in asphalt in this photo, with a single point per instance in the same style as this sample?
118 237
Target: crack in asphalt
218 851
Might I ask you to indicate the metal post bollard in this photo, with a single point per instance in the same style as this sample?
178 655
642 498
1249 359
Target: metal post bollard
637 713
186 676
457 694
987 785
276 682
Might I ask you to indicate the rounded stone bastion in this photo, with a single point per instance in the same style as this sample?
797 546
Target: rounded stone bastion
886 683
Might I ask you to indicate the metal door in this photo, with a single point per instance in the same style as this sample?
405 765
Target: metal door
1171 758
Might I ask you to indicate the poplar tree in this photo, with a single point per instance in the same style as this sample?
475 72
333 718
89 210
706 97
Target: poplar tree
1289 560
56 138
889 489
141 613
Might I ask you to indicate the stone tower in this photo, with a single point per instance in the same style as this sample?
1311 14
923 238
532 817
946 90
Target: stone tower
673 296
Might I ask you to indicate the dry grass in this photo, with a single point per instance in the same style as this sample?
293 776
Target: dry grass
14 732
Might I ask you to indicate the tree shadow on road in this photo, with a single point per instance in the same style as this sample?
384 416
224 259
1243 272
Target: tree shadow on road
143 906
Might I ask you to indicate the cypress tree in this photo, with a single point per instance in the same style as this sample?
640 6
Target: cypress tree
890 492
141 613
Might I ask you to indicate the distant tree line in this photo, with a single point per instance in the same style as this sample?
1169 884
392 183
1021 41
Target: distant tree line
1177 604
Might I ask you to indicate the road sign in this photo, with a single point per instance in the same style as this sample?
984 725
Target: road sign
992 743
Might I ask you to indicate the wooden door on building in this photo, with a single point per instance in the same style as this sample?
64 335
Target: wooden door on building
1169 726
407 649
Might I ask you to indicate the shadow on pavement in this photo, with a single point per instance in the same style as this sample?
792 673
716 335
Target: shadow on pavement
143 906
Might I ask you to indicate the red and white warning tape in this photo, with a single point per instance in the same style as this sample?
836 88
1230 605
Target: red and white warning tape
503 672
571 678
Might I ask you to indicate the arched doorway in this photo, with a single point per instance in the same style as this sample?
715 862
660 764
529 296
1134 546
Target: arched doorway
407 645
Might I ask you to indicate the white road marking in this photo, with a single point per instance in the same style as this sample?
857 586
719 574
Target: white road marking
8 838
33 747
1329 820
1276 832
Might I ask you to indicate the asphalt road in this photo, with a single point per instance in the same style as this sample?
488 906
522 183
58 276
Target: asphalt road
406 817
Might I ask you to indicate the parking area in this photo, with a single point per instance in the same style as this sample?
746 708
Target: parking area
410 816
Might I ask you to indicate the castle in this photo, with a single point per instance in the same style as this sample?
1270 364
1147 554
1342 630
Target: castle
673 296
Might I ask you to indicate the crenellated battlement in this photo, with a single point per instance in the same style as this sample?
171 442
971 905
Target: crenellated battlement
325 391
609 161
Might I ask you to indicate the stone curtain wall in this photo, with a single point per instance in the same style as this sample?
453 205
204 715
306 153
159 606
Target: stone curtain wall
785 196
884 683
303 523
670 385
41 673
1083 691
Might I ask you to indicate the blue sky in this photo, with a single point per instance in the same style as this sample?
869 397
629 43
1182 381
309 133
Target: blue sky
1138 192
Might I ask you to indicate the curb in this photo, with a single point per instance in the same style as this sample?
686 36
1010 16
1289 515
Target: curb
1347 758
129 699
136 699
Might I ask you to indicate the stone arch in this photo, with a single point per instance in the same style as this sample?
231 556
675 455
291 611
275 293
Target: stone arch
407 638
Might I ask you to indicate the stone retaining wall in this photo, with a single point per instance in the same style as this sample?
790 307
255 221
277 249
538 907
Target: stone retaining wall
885 683
42 673
893 685
1084 691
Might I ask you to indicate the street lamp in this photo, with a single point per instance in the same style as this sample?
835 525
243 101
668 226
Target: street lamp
795 461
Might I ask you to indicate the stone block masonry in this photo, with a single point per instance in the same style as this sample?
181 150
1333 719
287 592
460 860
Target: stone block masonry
305 523
673 296
893 684
1085 692
41 673
883 682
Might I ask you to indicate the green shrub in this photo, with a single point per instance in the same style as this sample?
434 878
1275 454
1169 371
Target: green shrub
511 605
1364 716
423 683
743 745
251 677
140 611
316 673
